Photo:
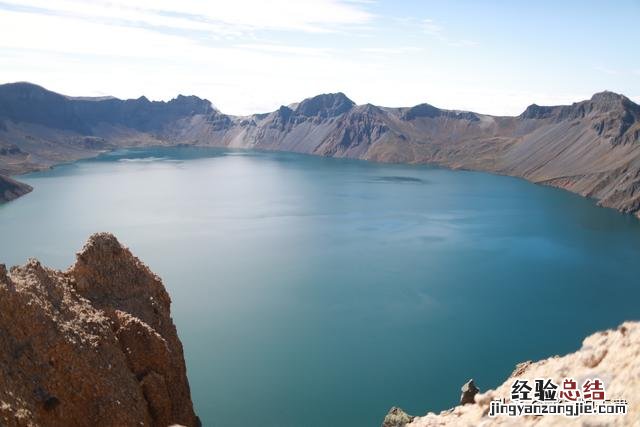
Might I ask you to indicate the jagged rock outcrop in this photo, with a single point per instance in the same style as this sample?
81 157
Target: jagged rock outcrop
469 391
325 105
591 147
94 345
613 356
396 417
11 189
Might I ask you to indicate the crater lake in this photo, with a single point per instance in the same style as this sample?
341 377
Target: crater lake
320 292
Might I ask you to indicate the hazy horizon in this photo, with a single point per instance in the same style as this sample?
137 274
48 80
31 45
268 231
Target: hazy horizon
257 112
248 57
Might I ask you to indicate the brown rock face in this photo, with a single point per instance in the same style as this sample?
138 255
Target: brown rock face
92 346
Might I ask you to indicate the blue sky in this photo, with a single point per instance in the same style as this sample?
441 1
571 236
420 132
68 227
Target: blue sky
250 56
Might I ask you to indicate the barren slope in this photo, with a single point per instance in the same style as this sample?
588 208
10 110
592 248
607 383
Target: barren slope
590 147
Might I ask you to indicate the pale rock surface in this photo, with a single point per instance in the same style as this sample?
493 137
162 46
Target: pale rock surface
613 356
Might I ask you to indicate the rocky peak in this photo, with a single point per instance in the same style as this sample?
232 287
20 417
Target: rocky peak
608 100
192 103
370 109
325 105
469 391
601 102
396 417
535 111
612 116
26 102
431 112
421 110
26 90
103 259
95 343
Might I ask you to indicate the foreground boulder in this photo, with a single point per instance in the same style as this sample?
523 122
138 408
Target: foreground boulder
396 418
92 346
469 391
612 355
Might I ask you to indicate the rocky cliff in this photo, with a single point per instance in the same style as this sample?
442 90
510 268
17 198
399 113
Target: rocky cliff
591 147
93 345
613 356
11 189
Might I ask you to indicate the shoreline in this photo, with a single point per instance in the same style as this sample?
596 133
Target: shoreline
545 183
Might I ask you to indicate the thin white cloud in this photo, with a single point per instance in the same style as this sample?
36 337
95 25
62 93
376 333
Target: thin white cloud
391 50
224 17
77 57
250 56
287 49
463 43
432 28
607 70
436 30
68 35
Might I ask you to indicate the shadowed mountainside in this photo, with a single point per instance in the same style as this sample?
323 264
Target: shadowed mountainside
591 147
11 189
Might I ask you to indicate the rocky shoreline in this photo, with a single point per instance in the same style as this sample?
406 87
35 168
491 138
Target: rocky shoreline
612 355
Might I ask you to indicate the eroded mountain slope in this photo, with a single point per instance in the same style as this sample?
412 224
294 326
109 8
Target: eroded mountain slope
590 147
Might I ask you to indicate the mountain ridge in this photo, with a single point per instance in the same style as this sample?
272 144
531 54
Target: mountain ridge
591 147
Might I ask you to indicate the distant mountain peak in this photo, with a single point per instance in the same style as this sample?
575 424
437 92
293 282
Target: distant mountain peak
27 90
25 84
612 116
611 101
196 103
325 105
421 110
607 96
535 111
601 102
428 111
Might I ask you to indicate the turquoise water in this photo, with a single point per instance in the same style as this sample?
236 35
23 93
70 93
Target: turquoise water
320 292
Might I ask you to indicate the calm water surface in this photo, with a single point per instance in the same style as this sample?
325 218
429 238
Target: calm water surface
320 292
